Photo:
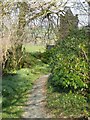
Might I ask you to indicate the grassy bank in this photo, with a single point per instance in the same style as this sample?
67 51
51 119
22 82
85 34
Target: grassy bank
16 85
63 104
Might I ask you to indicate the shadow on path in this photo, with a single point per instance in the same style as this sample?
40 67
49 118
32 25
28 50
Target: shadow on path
35 107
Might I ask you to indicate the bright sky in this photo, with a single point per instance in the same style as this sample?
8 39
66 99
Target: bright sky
77 9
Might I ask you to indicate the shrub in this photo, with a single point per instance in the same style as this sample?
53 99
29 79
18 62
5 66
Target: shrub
47 55
69 63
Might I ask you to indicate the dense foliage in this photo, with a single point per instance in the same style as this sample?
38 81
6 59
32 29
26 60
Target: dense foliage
67 104
68 85
69 62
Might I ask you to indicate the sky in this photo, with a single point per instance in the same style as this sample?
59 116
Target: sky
80 9
77 9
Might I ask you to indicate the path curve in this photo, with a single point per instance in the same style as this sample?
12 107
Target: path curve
35 107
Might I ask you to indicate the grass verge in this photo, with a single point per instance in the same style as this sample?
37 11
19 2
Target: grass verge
15 89
17 84
67 104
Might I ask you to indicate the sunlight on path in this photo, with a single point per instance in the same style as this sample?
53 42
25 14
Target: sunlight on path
36 104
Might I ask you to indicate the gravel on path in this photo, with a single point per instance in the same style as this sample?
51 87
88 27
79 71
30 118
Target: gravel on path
35 107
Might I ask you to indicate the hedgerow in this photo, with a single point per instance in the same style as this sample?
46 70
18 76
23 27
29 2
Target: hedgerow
69 62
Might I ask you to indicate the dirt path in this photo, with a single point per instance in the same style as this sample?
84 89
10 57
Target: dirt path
36 104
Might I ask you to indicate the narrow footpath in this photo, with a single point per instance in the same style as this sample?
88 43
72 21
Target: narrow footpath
35 107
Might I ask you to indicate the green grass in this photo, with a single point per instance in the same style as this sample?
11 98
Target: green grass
34 48
16 85
67 104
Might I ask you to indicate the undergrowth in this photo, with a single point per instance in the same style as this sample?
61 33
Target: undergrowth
69 83
16 84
